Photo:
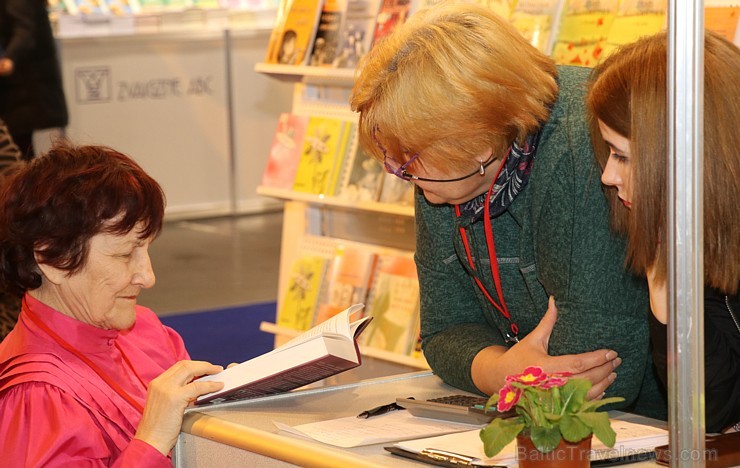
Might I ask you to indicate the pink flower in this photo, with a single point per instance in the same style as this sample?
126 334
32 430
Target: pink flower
532 376
553 382
508 396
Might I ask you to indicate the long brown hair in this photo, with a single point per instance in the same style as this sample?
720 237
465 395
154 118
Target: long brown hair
628 94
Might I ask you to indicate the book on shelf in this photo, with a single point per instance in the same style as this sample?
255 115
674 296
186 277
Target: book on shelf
285 151
582 32
325 350
363 178
392 13
295 26
303 291
723 20
396 191
347 280
325 146
326 42
635 19
356 36
535 20
86 7
124 7
394 305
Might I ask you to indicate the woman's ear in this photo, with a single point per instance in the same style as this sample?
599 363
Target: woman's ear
52 274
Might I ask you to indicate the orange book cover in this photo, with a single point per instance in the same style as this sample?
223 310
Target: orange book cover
394 305
295 27
722 20
347 281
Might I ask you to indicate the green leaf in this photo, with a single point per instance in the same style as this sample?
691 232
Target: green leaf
545 439
593 405
574 394
573 429
499 433
492 402
600 424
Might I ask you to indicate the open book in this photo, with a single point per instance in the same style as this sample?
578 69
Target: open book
325 350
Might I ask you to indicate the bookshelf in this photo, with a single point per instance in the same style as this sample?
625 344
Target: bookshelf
326 221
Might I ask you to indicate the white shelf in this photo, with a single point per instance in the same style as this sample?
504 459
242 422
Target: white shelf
399 210
419 363
327 76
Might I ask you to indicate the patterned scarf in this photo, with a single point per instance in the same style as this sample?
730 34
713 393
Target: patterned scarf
511 180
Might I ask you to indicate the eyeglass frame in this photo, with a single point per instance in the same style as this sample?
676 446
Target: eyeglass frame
402 174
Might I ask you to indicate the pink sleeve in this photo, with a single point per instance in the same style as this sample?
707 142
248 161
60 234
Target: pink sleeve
42 426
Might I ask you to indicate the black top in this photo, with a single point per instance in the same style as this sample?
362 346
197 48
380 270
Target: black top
31 98
721 357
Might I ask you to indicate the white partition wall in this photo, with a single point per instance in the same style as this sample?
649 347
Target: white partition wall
185 105
257 102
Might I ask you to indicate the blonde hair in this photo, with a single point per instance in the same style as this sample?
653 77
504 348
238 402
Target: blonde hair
451 82
628 94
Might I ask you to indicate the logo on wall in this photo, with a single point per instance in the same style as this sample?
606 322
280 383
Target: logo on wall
93 84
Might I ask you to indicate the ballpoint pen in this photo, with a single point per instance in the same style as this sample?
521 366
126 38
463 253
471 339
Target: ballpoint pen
382 409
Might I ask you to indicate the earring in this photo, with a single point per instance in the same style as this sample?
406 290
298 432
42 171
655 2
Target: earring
482 170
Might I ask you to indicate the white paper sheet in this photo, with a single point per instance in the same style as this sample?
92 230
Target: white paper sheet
390 427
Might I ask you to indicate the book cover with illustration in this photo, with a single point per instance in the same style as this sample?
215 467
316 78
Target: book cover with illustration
327 41
303 291
295 26
347 280
356 36
363 178
394 305
392 14
324 146
583 30
285 152
535 20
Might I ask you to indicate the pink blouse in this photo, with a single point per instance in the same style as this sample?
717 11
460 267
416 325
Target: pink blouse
56 411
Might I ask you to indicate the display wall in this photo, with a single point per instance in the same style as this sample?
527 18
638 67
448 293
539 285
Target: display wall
187 105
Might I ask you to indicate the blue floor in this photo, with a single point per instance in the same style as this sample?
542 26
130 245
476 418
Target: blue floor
223 336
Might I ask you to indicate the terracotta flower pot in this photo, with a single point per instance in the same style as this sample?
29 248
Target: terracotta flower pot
566 454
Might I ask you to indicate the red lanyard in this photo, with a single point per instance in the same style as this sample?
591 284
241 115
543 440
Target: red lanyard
491 245
111 383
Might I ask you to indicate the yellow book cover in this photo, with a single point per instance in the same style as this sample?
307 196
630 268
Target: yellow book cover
302 292
722 20
583 30
534 20
635 19
584 21
325 140
394 305
296 22
502 8
347 282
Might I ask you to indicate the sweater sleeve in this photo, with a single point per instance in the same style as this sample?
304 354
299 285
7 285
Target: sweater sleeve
23 35
42 426
454 327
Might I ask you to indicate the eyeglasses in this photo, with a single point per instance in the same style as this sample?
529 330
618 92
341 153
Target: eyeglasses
399 170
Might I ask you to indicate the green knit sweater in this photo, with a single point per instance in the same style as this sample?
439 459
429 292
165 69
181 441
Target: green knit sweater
553 240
